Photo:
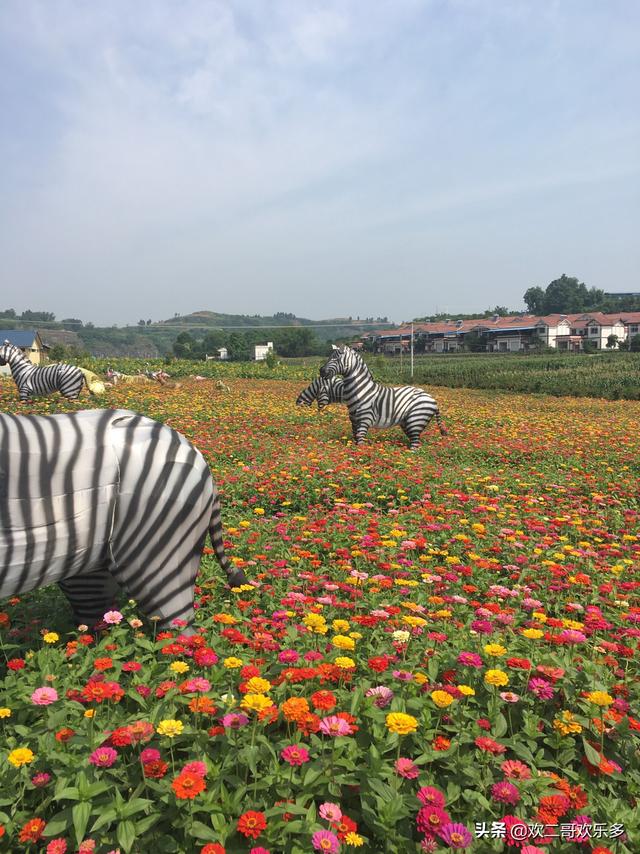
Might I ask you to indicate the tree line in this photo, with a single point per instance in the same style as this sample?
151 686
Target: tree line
296 341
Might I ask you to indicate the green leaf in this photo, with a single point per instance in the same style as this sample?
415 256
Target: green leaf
592 755
80 815
126 835
200 831
499 727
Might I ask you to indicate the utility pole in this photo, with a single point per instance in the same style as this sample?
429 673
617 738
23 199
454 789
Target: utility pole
411 349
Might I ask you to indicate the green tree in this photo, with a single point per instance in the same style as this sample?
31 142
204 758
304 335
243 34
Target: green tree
634 344
475 342
612 342
184 346
534 299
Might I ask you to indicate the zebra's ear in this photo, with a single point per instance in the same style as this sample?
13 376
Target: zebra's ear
333 346
6 341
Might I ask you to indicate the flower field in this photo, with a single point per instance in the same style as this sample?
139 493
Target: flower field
441 653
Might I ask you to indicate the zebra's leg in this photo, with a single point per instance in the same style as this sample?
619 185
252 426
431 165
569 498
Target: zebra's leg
413 427
90 594
361 428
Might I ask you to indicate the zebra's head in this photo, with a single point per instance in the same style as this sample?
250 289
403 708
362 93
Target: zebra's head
307 395
337 363
7 349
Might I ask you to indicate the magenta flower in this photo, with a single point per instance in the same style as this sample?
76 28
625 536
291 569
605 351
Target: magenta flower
103 757
505 792
430 796
407 768
150 754
470 659
197 768
234 720
294 754
455 835
259 850
324 840
41 779
431 819
333 725
541 688
288 656
113 618
330 812
44 696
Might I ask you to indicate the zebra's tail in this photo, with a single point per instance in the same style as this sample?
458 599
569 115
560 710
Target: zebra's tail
235 576
440 423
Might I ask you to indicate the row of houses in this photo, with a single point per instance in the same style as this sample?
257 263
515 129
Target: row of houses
511 334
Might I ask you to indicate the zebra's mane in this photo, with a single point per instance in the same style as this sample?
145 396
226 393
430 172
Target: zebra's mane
359 362
13 353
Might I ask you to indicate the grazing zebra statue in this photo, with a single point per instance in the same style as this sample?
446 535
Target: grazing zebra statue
106 497
33 381
323 391
373 405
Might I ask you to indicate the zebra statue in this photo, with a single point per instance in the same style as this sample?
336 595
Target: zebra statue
373 405
324 392
33 381
106 497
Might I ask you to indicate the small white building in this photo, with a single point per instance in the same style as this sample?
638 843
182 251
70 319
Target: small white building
222 355
261 351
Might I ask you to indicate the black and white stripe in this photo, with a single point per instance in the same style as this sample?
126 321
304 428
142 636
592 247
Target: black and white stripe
373 405
323 391
33 381
101 498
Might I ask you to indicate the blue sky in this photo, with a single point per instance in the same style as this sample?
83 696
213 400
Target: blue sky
325 158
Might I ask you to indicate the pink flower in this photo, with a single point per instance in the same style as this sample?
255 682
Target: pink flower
57 846
234 720
470 659
294 754
103 757
150 754
430 820
541 688
333 725
330 812
429 796
41 779
505 792
515 770
407 768
259 851
44 696
288 656
88 846
113 618
197 768
324 840
455 835
383 695
198 685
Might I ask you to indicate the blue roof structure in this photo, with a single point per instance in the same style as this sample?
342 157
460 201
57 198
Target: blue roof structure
19 337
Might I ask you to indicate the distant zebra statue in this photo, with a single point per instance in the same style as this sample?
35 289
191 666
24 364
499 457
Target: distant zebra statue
373 405
324 392
33 381
106 497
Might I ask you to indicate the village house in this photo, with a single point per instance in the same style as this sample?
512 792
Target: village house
261 351
27 340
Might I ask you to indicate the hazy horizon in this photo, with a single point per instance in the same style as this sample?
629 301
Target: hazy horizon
390 159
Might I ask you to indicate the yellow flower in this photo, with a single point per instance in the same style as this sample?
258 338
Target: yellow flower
256 702
232 663
179 667
259 511
21 756
441 699
400 723
401 636
344 663
600 698
495 649
343 642
566 725
354 839
532 634
340 625
170 728
258 685
51 637
496 677
467 690
89 713
5 712
420 678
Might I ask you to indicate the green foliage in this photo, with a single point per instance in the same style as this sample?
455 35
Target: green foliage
634 344
565 295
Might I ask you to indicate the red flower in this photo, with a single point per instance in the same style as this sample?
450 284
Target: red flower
16 663
379 664
64 734
213 848
344 826
155 770
32 830
440 742
323 700
252 823
489 745
187 785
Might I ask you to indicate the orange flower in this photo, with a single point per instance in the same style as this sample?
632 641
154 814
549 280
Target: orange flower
323 700
188 785
295 708
203 705
32 830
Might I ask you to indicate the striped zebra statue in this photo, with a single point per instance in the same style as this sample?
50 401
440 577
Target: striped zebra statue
373 405
106 497
33 381
324 392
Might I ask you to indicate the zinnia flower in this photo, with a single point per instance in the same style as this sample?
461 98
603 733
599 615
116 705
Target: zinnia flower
170 728
103 757
333 725
187 785
401 723
442 699
252 823
407 768
44 696
324 840
294 754
455 835
330 812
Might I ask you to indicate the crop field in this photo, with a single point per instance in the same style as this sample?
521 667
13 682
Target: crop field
441 652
